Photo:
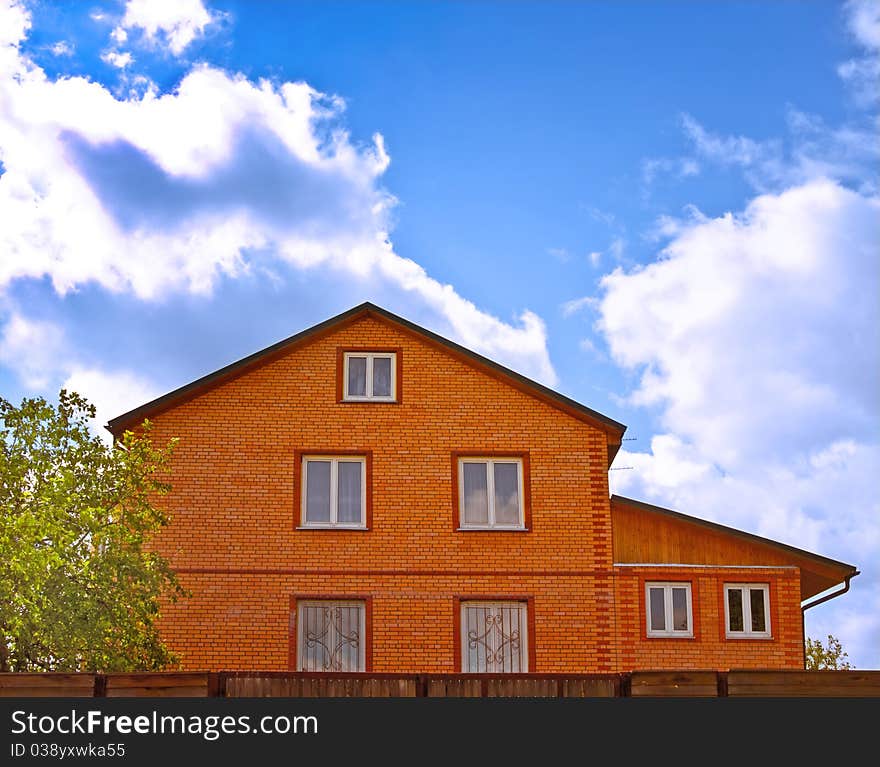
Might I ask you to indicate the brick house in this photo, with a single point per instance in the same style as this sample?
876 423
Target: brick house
369 496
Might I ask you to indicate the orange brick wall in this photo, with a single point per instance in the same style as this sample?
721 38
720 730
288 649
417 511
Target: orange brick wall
233 535
709 649
234 542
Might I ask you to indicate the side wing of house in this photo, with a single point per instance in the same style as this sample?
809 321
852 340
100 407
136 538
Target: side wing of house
693 594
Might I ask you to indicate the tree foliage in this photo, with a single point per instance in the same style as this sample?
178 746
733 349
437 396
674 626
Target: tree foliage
828 657
80 589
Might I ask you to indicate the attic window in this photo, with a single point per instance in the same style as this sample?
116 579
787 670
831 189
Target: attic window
369 376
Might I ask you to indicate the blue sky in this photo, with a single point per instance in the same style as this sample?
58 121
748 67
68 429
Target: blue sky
666 210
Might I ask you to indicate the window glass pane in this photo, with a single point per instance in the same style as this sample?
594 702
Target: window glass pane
507 494
348 638
310 628
658 611
330 636
348 497
473 634
476 501
318 491
759 621
735 609
381 376
494 638
511 646
679 609
357 376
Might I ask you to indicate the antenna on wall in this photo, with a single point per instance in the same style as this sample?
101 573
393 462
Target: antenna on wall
620 468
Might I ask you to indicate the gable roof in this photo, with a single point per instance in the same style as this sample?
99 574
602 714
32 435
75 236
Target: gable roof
134 417
675 533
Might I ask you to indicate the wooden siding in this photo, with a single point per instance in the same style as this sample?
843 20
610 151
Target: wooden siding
643 536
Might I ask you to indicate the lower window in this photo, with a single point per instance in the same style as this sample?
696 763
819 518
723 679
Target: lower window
331 635
494 637
746 610
669 610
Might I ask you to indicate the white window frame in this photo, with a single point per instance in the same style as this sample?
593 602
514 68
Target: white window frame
667 587
334 461
490 462
368 389
747 632
522 608
321 603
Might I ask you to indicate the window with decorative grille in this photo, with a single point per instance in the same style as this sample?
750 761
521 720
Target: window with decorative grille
331 636
494 637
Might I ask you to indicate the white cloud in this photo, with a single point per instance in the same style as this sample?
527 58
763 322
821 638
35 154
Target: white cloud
175 23
862 73
743 312
111 392
39 353
31 348
863 18
680 167
763 161
156 193
577 304
586 345
62 48
811 150
595 257
116 59
758 340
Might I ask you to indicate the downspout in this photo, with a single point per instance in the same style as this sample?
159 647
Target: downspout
819 601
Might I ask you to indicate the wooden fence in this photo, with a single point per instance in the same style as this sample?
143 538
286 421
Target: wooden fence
262 684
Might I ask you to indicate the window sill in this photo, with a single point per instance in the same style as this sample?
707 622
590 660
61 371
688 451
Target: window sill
333 527
669 636
492 529
749 637
367 401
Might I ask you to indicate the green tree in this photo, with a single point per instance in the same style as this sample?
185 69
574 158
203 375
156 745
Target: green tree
80 589
828 657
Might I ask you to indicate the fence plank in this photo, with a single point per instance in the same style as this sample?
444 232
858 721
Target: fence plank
297 685
591 687
158 685
453 687
518 687
674 684
46 685
825 684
